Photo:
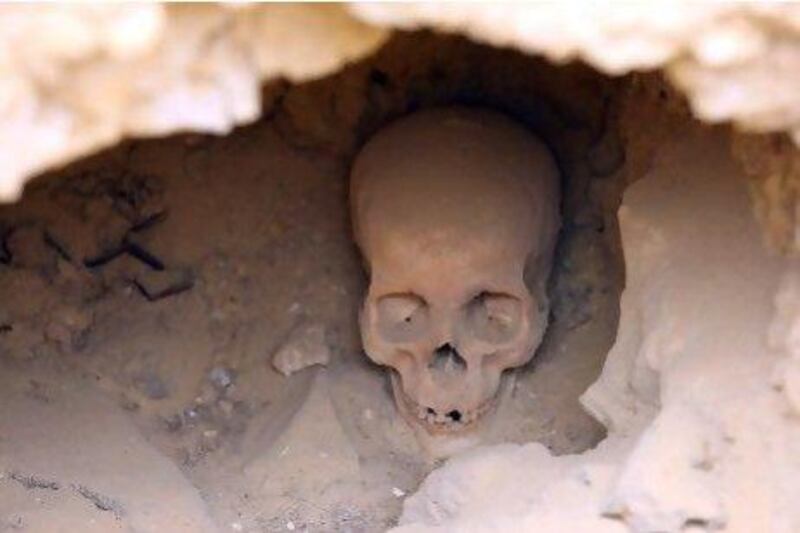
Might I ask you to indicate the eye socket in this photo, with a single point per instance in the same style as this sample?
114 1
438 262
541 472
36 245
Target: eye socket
402 317
494 317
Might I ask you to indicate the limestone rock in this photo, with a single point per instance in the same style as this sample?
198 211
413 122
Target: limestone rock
77 78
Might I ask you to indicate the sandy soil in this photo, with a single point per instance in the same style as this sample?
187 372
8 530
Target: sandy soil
144 291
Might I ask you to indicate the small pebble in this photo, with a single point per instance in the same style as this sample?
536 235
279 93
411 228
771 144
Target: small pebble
226 407
236 526
290 525
221 377
398 493
149 383
173 423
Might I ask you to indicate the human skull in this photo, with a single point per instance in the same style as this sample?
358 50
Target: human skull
456 214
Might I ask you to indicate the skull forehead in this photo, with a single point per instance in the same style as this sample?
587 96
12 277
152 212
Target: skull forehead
454 182
433 265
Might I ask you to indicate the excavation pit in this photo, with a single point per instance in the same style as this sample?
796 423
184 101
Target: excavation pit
148 290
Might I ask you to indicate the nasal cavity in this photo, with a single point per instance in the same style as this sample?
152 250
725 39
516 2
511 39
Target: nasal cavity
447 360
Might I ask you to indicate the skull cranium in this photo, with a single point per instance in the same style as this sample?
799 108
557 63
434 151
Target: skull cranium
456 214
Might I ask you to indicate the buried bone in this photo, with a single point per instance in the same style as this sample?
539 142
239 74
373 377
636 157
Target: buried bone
455 212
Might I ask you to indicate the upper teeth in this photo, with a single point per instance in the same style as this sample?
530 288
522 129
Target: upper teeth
442 420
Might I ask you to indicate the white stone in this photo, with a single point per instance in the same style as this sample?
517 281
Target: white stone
305 347
77 78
